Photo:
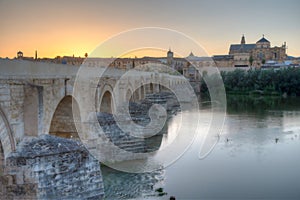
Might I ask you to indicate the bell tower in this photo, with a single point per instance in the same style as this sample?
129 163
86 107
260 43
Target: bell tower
243 41
170 57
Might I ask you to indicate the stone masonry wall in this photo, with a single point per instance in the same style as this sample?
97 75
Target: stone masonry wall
11 103
49 167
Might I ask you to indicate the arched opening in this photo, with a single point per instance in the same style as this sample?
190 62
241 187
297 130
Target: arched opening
63 122
142 92
162 88
3 179
151 88
136 95
6 136
1 159
106 103
129 95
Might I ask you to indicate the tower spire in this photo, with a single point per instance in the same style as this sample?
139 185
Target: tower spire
243 41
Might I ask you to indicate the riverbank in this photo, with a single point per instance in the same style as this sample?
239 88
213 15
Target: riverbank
283 82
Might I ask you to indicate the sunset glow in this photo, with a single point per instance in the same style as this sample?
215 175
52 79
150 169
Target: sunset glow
57 28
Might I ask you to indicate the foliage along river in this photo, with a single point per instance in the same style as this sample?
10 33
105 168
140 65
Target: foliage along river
257 157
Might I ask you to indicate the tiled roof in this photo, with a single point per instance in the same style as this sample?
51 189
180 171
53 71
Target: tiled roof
262 40
242 47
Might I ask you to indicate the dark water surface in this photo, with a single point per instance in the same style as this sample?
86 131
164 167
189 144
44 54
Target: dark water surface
257 157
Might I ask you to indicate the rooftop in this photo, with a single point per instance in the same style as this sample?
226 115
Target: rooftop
263 39
242 47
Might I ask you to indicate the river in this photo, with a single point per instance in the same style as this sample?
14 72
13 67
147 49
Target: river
257 157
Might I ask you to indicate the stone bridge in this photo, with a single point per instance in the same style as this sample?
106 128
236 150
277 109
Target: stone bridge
36 98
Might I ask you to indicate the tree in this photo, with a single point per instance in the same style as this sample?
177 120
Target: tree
283 81
251 60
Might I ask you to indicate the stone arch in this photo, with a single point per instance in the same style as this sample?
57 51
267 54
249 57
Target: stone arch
142 88
2 164
128 92
106 103
136 95
63 122
151 88
6 137
129 95
142 92
106 94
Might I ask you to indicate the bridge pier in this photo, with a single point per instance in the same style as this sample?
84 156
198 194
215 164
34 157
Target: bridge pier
48 167
33 110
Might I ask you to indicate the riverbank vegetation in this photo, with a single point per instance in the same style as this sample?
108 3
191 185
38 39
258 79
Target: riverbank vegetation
260 105
283 82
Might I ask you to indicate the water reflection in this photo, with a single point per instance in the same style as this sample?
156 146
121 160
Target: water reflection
121 185
248 162
257 157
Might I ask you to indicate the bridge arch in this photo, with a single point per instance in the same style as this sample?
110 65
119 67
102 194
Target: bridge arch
136 95
63 122
6 137
142 88
129 94
142 91
151 88
2 164
106 103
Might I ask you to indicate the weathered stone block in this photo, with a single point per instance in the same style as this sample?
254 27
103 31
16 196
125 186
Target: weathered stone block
45 171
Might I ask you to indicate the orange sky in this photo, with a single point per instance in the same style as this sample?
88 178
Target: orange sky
63 27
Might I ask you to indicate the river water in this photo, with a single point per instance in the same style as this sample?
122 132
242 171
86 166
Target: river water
257 157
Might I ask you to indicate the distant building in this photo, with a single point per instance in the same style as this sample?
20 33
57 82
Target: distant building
264 52
223 60
20 55
241 48
170 56
244 55
256 55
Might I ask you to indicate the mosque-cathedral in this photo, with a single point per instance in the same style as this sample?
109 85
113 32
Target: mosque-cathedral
255 54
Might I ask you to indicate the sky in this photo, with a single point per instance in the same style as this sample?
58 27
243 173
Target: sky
74 27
